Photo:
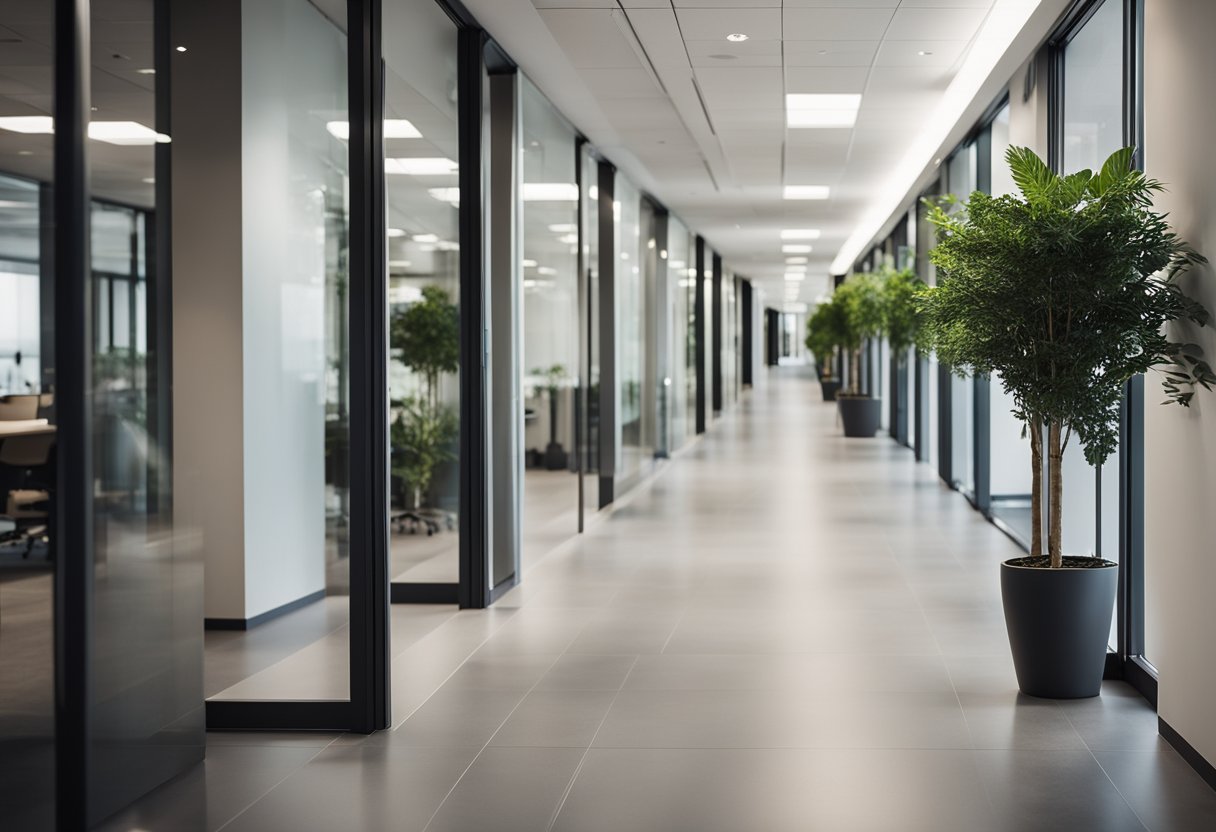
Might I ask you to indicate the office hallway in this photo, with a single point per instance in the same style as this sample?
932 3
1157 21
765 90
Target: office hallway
783 630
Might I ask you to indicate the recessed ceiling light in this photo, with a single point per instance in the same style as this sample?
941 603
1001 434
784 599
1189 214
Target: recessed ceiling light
737 37
28 124
796 248
794 276
568 239
394 128
181 49
806 192
426 238
793 261
148 180
394 232
563 228
421 166
924 52
146 71
821 109
800 233
725 57
528 264
546 270
125 133
550 192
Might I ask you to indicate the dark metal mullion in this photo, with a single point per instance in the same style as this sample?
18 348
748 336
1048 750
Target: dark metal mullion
367 299
474 560
945 418
158 273
982 446
608 415
716 346
699 327
582 291
74 446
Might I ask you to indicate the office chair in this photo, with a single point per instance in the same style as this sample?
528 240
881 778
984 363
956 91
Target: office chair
18 407
29 506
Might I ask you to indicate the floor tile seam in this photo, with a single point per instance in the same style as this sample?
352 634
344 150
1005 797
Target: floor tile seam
447 796
561 803
456 670
267 792
1118 791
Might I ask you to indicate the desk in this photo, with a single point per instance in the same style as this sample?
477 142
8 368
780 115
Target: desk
25 427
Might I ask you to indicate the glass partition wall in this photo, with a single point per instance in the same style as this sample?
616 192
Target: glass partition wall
682 332
422 227
550 322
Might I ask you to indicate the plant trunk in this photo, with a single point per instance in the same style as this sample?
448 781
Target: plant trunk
1036 488
855 372
1055 473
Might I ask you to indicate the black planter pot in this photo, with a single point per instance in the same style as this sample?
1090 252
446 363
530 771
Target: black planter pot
555 457
860 415
1059 623
830 388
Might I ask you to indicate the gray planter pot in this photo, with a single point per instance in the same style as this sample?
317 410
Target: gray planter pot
829 388
1059 623
860 415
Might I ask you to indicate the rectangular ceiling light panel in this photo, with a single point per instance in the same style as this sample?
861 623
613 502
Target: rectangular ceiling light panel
821 110
807 192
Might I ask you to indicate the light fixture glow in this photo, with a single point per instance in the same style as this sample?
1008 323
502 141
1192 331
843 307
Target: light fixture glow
794 260
125 133
550 192
794 276
806 192
796 248
800 233
821 109
394 128
28 124
563 228
546 270
528 264
450 195
181 49
147 71
1004 23
568 239
394 232
421 166
426 238
736 37
924 52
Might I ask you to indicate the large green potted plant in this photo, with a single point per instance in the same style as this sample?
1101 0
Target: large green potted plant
425 337
555 457
1063 291
823 335
863 318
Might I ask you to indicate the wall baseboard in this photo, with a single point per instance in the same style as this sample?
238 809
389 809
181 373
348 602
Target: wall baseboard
262 618
423 593
1187 751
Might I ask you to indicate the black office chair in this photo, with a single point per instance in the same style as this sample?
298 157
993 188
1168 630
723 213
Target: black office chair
29 505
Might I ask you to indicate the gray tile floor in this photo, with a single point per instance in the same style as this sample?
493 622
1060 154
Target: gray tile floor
785 630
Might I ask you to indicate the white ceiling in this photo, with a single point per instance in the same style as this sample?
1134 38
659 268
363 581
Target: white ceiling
632 75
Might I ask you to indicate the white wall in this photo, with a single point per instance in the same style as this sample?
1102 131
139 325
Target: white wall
1180 443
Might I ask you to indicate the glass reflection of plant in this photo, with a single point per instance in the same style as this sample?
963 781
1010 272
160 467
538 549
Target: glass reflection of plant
555 455
426 334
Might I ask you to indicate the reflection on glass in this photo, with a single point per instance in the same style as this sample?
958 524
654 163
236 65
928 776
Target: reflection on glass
146 639
682 333
421 147
295 363
27 687
1092 130
550 325
635 447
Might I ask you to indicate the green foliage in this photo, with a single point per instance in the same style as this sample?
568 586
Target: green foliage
553 376
1064 291
423 437
426 334
865 316
903 319
824 333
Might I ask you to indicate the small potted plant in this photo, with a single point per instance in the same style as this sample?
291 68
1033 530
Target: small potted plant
823 330
1064 292
863 318
555 456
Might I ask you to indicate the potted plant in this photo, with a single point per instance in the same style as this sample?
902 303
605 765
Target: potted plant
425 335
1063 291
555 456
864 317
902 323
823 334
